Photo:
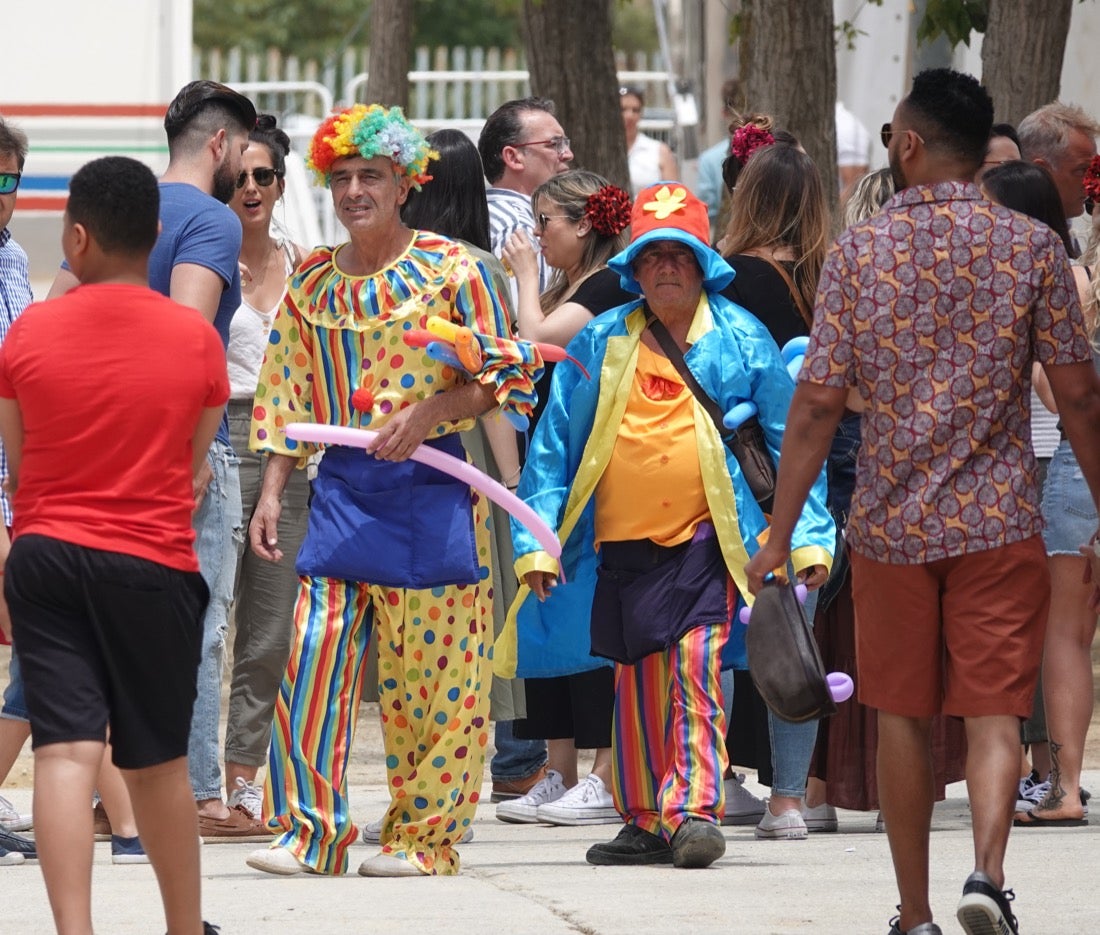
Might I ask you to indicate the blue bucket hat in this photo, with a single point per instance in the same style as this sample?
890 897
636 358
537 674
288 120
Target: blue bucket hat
668 211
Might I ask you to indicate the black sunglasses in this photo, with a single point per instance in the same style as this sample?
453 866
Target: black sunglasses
262 177
9 182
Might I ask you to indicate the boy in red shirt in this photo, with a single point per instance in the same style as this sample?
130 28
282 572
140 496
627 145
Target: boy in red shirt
106 417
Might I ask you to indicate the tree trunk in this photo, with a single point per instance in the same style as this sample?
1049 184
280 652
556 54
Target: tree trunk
788 70
390 53
1022 52
571 61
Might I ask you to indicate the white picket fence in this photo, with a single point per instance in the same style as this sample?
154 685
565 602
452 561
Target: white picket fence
448 86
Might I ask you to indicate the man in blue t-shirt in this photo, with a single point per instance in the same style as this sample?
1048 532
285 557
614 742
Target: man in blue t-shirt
195 263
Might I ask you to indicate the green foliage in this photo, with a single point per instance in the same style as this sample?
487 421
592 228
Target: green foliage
312 29
955 19
847 31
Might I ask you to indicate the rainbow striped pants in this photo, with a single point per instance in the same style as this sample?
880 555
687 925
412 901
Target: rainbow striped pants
434 673
668 736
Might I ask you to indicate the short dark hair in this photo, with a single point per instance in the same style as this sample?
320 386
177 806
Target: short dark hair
117 200
268 134
208 106
1008 131
1029 188
954 113
13 142
453 203
504 128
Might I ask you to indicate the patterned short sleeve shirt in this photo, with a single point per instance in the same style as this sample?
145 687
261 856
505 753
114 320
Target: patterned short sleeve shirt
935 309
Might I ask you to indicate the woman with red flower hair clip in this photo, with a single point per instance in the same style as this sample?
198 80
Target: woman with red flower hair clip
580 222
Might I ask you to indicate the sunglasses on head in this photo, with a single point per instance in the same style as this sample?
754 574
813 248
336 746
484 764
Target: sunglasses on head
9 182
262 177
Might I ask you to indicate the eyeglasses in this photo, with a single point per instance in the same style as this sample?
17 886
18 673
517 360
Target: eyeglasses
541 219
887 131
9 182
262 177
558 143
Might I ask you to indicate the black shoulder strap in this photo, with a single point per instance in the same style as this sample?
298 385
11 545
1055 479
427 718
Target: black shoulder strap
676 358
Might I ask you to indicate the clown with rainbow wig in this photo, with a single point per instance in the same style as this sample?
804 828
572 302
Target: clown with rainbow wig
391 543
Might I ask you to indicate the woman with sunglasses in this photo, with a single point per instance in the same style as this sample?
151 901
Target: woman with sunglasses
580 222
265 591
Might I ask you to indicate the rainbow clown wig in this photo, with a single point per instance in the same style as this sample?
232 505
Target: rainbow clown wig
368 132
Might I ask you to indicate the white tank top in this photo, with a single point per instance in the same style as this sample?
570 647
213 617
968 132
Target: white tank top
248 338
644 160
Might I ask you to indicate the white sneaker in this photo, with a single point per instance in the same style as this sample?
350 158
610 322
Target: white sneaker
742 807
587 803
248 796
819 818
1030 792
11 820
372 833
276 860
786 827
524 810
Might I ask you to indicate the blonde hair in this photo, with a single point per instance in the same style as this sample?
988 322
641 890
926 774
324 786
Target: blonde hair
570 191
871 193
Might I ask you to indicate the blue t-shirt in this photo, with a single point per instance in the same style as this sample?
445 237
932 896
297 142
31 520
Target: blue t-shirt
197 228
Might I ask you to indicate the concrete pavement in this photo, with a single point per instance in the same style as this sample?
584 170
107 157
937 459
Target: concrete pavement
520 879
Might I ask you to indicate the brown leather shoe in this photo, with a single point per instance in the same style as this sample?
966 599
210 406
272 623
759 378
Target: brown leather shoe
514 788
238 825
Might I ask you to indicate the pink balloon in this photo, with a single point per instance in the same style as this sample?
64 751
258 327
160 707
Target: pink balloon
441 461
840 685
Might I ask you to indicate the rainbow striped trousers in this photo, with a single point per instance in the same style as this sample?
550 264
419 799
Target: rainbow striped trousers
668 736
434 673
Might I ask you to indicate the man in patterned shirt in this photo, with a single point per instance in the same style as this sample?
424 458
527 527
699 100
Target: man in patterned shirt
934 310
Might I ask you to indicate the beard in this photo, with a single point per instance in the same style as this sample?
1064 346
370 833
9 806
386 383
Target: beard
225 182
896 173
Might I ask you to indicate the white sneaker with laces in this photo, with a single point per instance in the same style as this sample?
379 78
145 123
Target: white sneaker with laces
742 807
587 803
372 832
786 827
819 818
524 810
248 796
11 820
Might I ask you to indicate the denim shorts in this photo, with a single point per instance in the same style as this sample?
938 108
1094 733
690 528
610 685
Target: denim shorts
15 702
1068 507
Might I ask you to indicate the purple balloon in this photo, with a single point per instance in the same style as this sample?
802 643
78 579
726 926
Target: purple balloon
744 614
840 685
800 591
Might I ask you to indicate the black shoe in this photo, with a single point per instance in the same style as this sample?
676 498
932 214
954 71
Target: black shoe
983 909
17 844
631 847
208 929
925 928
697 843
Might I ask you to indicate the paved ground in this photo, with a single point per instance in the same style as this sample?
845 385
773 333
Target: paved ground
520 879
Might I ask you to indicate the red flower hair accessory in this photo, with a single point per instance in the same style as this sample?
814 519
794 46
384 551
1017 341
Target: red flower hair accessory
747 139
608 210
1092 180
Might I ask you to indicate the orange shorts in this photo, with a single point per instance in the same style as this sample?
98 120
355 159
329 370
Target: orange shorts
960 636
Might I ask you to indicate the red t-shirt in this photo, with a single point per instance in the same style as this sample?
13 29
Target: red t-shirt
111 380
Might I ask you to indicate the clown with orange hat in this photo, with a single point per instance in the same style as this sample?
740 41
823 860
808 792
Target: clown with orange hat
657 522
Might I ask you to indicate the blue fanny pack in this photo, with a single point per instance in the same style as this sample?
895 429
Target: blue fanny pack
397 524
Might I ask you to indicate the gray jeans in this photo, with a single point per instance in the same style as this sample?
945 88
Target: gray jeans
263 615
